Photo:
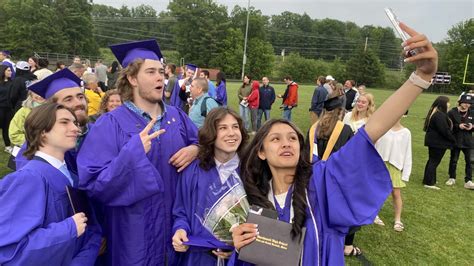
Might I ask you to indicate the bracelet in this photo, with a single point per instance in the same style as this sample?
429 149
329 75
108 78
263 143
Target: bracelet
419 82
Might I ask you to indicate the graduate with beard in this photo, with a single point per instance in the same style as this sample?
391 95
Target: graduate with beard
131 159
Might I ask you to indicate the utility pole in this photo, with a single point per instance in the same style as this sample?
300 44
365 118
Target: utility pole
365 47
244 59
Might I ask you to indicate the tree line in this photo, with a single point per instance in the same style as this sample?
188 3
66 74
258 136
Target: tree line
209 35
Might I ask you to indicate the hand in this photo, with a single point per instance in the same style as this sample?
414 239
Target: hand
222 254
184 157
426 60
146 139
244 234
462 126
179 237
245 98
80 220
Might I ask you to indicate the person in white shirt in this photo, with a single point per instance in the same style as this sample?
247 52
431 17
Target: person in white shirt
395 149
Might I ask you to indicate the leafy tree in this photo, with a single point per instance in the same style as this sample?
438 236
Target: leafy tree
365 67
229 53
259 57
302 69
197 31
458 45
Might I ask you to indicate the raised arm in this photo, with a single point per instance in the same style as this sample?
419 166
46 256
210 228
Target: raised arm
395 106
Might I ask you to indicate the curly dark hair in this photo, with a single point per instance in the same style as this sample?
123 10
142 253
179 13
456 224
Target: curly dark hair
256 175
208 135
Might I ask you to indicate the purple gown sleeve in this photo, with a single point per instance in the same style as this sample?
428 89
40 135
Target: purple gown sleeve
23 239
221 92
353 183
90 249
183 201
115 170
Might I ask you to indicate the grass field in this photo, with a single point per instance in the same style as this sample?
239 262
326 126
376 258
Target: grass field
439 225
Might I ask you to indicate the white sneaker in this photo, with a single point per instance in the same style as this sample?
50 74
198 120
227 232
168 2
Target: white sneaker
9 149
450 182
432 187
469 185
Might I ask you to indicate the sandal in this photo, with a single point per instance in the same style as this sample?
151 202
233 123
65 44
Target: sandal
378 221
398 226
354 252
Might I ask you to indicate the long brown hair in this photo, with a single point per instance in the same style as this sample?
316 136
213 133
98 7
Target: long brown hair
256 175
328 122
40 120
123 85
208 134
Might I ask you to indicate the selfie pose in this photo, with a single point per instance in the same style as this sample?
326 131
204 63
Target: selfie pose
330 196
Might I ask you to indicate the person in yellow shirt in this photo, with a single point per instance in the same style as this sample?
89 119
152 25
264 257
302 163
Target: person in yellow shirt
93 92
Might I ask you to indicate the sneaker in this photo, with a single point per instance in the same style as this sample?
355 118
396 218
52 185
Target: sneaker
450 182
469 185
378 221
433 187
8 149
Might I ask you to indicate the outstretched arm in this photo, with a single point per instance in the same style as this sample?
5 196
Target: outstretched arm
395 106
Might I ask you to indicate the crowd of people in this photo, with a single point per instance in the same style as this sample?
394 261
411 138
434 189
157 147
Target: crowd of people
156 151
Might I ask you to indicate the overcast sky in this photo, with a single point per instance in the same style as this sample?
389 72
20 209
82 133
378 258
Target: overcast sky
432 17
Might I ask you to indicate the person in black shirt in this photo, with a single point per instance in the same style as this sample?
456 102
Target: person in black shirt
462 118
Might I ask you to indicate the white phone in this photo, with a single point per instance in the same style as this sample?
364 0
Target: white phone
396 25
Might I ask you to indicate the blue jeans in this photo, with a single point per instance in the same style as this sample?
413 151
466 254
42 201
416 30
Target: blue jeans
259 116
245 114
287 114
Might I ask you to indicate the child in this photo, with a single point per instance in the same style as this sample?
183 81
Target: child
395 149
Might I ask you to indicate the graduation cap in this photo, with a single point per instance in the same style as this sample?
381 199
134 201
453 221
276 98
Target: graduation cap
333 103
6 52
55 82
191 67
126 53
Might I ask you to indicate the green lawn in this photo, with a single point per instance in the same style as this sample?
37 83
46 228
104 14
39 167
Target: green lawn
439 225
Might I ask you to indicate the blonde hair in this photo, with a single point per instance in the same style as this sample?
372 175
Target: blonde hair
90 78
370 107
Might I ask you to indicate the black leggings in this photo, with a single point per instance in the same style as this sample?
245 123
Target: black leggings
5 118
434 159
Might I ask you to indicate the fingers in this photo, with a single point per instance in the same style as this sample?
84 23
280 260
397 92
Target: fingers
148 127
176 157
244 234
426 55
221 254
183 166
408 30
156 133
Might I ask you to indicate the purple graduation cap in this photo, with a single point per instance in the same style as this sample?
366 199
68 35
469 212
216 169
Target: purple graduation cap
191 67
55 82
126 53
6 52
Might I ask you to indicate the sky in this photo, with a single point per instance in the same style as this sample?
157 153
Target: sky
432 17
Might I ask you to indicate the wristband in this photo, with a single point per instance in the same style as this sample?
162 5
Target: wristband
419 82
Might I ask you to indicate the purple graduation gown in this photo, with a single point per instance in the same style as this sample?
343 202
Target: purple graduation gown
221 94
36 227
136 189
197 191
343 192
175 100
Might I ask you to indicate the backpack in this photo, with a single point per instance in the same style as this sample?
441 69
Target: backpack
204 105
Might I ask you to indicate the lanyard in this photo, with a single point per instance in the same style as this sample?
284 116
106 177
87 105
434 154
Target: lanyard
284 214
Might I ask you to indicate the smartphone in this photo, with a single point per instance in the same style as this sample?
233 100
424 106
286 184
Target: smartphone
396 25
